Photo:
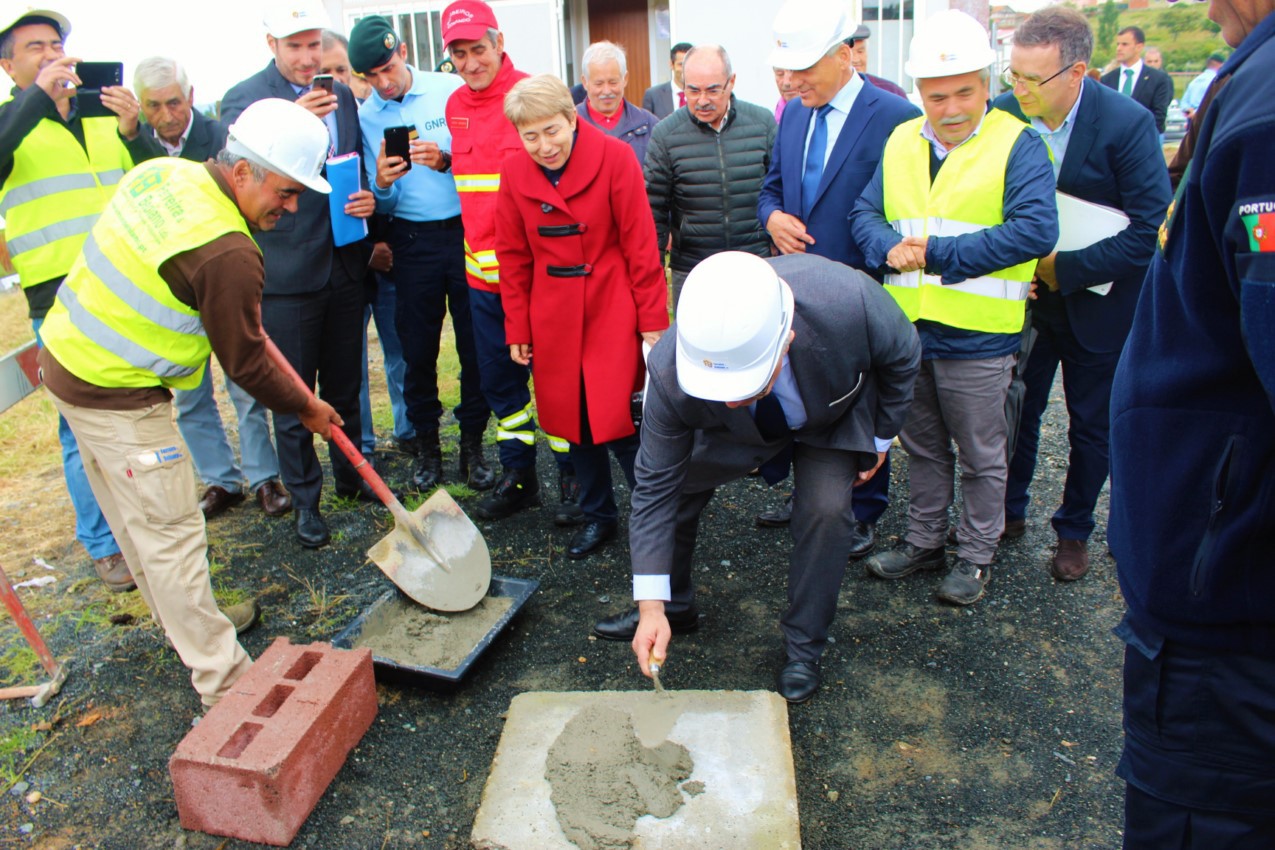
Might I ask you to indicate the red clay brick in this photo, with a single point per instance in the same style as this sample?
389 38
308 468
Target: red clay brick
259 761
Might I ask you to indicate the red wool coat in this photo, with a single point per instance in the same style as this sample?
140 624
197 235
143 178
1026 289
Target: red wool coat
580 279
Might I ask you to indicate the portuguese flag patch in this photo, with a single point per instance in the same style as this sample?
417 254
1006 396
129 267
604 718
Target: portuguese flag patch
1261 231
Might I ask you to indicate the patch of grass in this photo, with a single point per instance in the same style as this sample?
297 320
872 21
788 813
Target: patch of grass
321 602
19 664
334 502
14 746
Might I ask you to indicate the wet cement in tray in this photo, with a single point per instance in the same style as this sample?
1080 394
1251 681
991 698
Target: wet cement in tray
409 633
603 778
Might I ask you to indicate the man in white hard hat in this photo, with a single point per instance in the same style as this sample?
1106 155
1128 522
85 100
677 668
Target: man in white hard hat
169 274
796 356
956 215
57 171
313 302
825 150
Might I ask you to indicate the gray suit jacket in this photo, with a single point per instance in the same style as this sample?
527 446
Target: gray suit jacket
658 100
855 357
299 252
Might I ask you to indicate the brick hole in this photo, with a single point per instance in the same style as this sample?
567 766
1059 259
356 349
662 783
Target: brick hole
239 741
303 665
274 700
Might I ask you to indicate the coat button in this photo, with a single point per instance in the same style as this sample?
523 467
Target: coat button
546 208
588 268
582 227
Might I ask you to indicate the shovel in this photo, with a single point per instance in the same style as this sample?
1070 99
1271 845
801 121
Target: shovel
435 554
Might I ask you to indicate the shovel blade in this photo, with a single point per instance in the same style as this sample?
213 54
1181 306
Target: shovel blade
458 578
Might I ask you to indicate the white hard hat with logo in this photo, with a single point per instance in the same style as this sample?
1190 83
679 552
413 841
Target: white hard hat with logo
289 17
284 138
733 319
807 29
952 43
14 18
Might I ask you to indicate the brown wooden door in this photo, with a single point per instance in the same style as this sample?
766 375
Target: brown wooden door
625 23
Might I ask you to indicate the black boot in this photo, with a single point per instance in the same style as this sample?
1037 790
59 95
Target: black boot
568 512
517 489
472 466
429 467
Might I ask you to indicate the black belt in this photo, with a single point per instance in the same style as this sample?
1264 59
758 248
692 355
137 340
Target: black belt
417 226
569 271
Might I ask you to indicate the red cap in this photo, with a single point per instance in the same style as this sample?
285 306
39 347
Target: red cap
467 20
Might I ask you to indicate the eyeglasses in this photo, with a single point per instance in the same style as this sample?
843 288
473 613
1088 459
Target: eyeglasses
711 91
1013 81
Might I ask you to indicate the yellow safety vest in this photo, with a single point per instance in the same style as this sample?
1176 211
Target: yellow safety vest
55 193
967 196
116 322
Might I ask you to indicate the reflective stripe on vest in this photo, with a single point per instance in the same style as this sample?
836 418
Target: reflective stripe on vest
55 192
478 182
482 265
116 322
967 196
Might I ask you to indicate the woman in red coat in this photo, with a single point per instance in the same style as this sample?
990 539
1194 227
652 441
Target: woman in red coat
582 286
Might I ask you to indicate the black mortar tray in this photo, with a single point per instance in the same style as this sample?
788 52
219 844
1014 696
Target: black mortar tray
389 669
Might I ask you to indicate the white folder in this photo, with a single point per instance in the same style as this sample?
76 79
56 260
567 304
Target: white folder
1083 223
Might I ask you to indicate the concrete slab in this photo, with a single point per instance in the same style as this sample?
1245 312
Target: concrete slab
739 742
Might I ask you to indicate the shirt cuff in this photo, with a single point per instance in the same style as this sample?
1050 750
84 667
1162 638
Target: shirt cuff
882 445
652 587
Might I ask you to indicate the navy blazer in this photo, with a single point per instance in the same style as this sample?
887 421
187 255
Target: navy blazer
658 100
1114 159
1153 89
852 163
299 253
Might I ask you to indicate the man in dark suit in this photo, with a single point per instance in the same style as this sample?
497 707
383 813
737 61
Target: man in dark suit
1104 151
805 199
794 354
312 306
1149 86
662 99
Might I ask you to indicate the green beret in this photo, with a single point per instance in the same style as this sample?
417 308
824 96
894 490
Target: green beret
372 43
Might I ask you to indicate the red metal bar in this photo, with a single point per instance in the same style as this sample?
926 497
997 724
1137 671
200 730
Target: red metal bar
25 624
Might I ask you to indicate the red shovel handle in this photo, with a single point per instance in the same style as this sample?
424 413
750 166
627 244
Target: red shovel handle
25 625
360 464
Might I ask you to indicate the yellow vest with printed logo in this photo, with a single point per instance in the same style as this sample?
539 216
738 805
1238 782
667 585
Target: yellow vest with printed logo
55 193
116 322
966 196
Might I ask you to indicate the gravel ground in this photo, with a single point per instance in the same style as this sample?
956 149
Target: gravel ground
996 726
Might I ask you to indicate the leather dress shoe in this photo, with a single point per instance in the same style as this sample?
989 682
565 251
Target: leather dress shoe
274 500
312 531
590 538
863 539
624 626
1071 561
217 500
776 517
798 681
113 571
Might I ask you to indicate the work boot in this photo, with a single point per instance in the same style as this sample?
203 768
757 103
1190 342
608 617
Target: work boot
243 616
905 559
429 467
472 466
965 584
113 571
568 512
517 489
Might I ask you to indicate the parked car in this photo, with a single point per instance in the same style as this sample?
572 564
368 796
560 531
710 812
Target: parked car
1174 123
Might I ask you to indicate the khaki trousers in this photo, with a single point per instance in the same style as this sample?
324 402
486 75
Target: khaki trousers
144 481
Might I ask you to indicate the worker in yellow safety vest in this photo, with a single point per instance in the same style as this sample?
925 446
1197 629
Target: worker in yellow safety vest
58 169
169 274
956 216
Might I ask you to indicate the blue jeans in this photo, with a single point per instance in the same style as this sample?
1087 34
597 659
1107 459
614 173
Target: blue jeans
91 528
382 310
199 422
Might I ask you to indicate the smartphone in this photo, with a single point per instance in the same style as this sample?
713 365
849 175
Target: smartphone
398 142
95 76
323 81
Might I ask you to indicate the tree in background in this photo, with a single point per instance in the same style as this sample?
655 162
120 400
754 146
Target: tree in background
1108 25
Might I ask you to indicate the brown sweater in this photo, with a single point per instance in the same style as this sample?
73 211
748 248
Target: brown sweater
223 281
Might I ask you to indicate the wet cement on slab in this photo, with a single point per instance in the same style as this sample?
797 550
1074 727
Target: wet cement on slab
408 633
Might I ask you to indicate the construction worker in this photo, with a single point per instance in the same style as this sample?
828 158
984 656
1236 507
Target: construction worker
957 213
57 171
481 139
170 274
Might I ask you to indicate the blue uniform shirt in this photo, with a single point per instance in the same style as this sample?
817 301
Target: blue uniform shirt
422 194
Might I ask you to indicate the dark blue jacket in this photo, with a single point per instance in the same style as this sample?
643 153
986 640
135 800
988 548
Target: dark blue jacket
1030 230
854 158
1114 159
1193 406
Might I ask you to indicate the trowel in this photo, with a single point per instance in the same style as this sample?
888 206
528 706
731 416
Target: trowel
435 554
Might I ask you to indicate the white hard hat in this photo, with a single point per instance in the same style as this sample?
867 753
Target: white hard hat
807 29
952 43
288 17
284 138
733 319
14 18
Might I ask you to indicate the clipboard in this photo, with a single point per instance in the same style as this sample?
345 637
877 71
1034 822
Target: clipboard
343 173
1084 223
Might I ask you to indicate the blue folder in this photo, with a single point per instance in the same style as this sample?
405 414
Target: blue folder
343 173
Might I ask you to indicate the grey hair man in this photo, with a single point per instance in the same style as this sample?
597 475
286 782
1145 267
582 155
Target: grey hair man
605 73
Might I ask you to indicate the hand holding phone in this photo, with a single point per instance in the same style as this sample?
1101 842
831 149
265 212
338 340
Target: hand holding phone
398 142
323 81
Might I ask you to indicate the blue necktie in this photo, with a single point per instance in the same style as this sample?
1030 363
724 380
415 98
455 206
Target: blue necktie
768 416
813 172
